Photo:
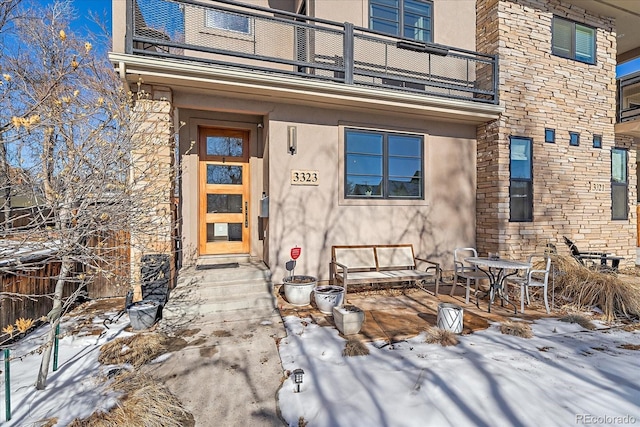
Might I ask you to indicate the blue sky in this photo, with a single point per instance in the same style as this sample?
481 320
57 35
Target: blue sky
83 10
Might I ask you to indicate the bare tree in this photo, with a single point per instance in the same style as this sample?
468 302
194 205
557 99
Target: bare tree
81 148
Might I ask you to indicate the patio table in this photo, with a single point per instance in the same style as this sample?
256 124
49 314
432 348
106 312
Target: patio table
497 270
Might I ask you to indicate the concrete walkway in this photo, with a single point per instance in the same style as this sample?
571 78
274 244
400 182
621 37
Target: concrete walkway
228 372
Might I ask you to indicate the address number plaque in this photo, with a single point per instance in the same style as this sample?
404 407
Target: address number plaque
305 177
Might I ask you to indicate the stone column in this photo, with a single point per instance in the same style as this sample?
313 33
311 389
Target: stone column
153 183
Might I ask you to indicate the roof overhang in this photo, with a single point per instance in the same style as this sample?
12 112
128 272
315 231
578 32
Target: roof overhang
246 84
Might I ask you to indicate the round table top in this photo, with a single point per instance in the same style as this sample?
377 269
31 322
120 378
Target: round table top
498 263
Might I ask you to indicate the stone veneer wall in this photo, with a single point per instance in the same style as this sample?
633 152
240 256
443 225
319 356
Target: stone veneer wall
152 219
539 90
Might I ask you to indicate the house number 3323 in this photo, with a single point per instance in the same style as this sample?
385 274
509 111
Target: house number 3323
304 177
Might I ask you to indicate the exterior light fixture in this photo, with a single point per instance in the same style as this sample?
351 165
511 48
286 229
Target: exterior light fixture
292 140
297 378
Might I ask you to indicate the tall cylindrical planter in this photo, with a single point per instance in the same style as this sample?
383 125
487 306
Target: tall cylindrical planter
328 297
297 289
450 317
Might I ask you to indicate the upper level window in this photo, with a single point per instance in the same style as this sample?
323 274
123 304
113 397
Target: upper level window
405 18
383 165
227 21
574 41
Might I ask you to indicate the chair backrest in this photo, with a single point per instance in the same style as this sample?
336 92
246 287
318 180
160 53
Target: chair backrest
356 257
459 254
395 256
534 260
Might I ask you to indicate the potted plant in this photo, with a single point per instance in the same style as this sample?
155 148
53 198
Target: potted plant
327 297
348 319
297 289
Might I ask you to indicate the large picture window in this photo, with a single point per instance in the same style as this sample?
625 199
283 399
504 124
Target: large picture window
405 18
521 180
574 41
383 165
619 184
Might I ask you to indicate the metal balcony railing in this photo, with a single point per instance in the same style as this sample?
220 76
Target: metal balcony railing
224 33
629 98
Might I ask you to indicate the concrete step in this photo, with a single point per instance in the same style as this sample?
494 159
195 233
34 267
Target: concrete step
200 293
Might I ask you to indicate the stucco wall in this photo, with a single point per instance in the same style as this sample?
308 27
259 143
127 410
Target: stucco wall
317 217
540 90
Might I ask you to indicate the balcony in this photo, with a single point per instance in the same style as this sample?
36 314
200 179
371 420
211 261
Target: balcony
227 35
629 98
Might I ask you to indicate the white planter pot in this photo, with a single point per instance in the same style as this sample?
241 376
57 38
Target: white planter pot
328 297
143 314
348 319
297 289
450 317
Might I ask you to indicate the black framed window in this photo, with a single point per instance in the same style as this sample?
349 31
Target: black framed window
550 135
383 165
521 179
572 40
619 184
597 141
405 18
574 139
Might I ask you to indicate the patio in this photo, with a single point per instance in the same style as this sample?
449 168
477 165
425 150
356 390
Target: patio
397 314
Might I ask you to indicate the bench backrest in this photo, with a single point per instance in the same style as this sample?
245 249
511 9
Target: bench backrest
374 257
356 257
395 257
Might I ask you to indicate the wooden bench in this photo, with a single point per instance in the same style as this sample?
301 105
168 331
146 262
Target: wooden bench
368 264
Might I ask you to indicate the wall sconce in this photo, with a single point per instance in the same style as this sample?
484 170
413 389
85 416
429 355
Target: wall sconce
297 377
291 139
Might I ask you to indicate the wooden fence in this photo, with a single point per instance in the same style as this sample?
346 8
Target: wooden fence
40 283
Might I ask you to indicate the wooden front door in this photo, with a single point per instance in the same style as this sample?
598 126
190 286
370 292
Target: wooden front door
224 191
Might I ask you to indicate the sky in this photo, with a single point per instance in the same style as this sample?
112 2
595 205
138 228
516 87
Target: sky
564 375
84 8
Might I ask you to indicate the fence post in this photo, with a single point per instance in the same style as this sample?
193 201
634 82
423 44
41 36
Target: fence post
7 385
55 348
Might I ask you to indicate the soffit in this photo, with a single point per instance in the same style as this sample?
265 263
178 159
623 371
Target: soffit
627 16
233 83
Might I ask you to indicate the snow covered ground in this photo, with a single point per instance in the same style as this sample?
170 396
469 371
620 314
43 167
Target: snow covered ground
564 375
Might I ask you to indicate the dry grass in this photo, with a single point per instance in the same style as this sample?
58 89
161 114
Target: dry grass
354 347
136 349
146 402
441 336
586 288
518 329
581 320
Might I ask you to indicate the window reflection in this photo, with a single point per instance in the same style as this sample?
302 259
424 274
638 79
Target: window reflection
224 203
220 174
226 146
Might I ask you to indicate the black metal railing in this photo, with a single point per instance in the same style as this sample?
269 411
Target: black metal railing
628 98
230 34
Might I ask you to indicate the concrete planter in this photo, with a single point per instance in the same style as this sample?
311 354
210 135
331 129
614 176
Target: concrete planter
328 297
348 319
450 317
297 289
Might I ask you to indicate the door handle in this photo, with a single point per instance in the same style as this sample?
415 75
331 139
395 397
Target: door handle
246 214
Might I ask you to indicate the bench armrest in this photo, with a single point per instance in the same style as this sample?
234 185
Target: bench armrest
434 264
345 272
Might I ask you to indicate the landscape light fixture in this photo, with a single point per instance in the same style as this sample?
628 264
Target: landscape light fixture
297 378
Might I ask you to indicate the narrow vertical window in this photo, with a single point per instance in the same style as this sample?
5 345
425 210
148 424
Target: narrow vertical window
521 180
619 184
